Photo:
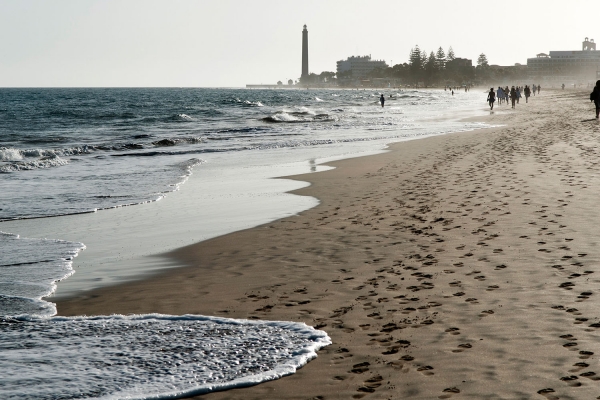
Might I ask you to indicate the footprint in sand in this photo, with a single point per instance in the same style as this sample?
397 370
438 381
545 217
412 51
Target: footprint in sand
570 345
566 285
590 375
462 347
585 354
426 370
371 384
584 295
449 392
360 368
453 331
548 393
390 327
266 308
571 380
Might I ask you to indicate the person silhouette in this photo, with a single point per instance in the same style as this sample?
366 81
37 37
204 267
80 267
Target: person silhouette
382 100
491 98
595 97
513 96
527 91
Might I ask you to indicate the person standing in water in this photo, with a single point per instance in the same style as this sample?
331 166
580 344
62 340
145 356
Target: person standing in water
491 98
382 101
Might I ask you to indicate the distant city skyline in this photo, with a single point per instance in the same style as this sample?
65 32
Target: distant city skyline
230 43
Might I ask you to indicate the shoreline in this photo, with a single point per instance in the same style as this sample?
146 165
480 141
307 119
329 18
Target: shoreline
127 243
468 237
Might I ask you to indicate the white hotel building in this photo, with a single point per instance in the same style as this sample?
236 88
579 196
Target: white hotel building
360 66
568 67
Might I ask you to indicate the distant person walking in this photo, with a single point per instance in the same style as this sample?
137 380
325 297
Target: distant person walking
491 98
534 89
518 93
382 101
539 88
563 86
595 97
527 92
506 94
513 96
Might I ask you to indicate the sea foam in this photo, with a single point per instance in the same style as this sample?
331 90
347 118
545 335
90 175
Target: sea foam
29 270
126 357
147 356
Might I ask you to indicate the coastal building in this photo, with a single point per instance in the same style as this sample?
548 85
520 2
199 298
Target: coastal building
503 75
459 63
304 54
359 67
568 67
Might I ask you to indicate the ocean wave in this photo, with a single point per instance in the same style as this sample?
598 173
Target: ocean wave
168 142
250 129
29 270
8 154
305 111
179 118
253 103
45 162
282 117
147 356
304 115
13 154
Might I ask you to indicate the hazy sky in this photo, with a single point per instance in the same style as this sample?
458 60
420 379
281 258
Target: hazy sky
234 42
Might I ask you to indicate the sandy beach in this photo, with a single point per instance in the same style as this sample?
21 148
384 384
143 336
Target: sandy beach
457 266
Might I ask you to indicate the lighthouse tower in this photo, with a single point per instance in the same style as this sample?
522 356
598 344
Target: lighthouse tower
304 54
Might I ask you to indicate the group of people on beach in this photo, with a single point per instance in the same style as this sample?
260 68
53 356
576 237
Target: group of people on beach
514 93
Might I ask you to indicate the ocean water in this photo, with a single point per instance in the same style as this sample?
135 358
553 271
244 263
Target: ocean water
73 151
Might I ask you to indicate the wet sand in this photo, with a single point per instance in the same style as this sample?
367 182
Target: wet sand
464 265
